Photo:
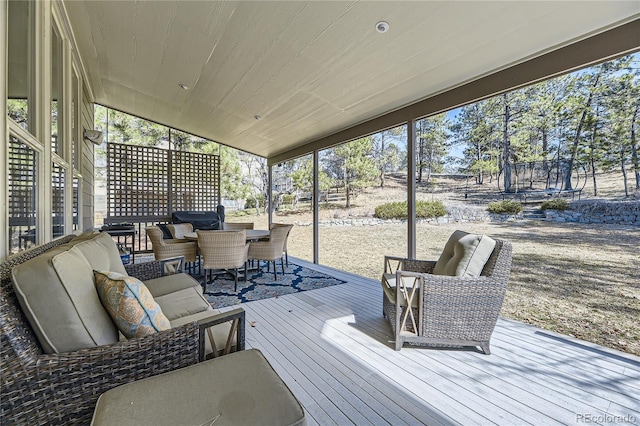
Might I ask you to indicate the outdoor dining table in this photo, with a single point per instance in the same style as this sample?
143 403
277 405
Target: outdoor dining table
252 234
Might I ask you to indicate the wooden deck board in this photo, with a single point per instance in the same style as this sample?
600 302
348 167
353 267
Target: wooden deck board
331 346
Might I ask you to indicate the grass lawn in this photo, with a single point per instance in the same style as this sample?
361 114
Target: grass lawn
578 280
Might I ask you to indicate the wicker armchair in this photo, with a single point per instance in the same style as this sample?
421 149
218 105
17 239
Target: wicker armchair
223 250
272 249
165 249
441 310
39 388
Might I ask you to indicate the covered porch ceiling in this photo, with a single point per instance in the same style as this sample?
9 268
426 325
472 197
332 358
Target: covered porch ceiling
273 78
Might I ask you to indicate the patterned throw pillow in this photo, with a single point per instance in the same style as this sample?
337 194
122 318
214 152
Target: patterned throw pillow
130 304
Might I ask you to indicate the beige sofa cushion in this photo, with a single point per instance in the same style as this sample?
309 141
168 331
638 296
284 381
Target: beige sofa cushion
464 255
171 283
237 389
57 295
102 253
182 303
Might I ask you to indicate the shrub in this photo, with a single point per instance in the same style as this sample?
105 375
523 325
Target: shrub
555 204
505 207
288 198
395 210
398 210
427 209
251 202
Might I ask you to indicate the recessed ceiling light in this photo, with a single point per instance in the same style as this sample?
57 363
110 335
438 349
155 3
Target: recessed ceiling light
382 27
183 86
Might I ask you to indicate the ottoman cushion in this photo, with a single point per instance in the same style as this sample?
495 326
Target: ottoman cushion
237 389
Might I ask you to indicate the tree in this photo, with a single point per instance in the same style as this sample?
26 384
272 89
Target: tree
386 151
473 130
256 179
353 166
432 145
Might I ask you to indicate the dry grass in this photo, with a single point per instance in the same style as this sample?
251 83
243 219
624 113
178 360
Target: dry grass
578 280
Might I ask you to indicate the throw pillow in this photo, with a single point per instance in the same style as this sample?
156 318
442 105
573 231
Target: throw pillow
464 255
130 304
166 234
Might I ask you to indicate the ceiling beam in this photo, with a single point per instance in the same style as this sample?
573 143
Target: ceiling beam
616 42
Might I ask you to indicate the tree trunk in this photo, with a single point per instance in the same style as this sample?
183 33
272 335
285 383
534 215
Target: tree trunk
593 157
420 158
506 143
576 140
624 176
634 148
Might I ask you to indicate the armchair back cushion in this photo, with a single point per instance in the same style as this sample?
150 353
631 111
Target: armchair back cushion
66 313
464 255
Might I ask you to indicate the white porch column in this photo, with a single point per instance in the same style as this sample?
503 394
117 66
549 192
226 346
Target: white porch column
411 189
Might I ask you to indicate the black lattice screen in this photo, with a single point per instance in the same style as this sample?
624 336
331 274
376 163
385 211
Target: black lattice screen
57 199
22 194
145 183
195 181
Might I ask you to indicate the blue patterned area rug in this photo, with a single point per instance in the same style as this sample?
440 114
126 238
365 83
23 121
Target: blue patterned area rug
262 285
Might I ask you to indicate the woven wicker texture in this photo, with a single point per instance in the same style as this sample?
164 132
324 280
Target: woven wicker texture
273 248
455 311
63 388
165 249
284 247
223 249
231 226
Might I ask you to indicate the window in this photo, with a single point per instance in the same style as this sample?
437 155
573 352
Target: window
57 140
22 186
57 200
75 121
20 70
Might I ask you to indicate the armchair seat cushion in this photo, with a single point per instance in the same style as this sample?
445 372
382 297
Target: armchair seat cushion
240 389
464 255
389 288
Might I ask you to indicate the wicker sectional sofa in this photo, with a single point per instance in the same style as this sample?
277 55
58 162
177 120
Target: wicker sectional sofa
61 350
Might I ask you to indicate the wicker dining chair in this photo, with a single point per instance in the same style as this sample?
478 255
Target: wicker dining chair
441 310
223 250
271 249
284 247
233 226
168 248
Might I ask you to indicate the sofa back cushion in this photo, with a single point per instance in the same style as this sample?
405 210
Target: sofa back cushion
102 253
464 255
57 295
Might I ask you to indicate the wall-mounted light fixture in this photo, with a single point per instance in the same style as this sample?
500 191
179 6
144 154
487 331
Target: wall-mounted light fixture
93 136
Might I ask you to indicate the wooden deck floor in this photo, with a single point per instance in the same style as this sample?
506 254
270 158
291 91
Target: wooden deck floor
331 346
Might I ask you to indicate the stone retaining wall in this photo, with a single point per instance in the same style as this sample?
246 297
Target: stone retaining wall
455 214
598 211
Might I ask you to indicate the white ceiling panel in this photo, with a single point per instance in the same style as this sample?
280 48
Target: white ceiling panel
309 68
